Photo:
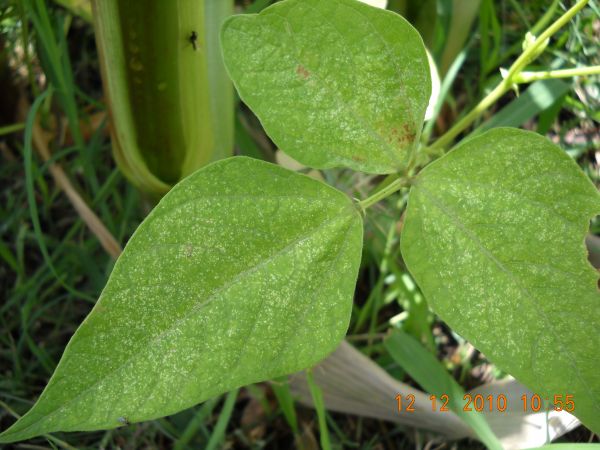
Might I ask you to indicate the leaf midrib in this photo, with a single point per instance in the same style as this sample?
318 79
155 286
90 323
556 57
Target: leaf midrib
435 201
286 342
194 310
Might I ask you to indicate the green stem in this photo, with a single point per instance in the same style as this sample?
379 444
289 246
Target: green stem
530 53
11 128
529 77
218 434
533 49
317 397
394 186
467 120
546 18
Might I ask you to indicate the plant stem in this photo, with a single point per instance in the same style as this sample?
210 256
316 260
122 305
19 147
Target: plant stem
467 120
11 128
319 403
546 18
394 186
540 42
530 53
218 434
528 77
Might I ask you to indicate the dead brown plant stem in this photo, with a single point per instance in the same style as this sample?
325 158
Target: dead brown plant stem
41 139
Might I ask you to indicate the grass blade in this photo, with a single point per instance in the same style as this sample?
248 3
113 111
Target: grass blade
281 389
317 397
538 97
426 370
219 432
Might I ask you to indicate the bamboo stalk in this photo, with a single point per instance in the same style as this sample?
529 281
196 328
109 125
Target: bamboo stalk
170 102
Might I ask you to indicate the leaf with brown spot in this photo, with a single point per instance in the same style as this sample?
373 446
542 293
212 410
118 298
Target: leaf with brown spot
329 80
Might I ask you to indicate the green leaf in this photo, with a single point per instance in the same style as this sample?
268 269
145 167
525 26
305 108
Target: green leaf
244 271
334 83
494 236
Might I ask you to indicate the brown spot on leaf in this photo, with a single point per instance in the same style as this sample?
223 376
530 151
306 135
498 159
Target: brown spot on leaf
301 70
358 158
402 136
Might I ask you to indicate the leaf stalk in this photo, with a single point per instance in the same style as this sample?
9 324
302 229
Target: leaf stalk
532 50
394 186
529 77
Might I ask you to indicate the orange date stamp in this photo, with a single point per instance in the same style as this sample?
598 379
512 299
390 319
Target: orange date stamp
493 403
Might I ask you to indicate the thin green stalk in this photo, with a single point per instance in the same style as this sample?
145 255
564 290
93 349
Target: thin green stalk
8 129
25 42
285 399
530 77
195 424
521 13
394 186
363 314
53 51
529 54
383 272
467 120
218 433
533 49
317 397
8 257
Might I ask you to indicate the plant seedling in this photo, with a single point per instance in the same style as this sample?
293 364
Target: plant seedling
493 234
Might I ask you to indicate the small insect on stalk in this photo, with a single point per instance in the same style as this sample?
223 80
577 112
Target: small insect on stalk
194 40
